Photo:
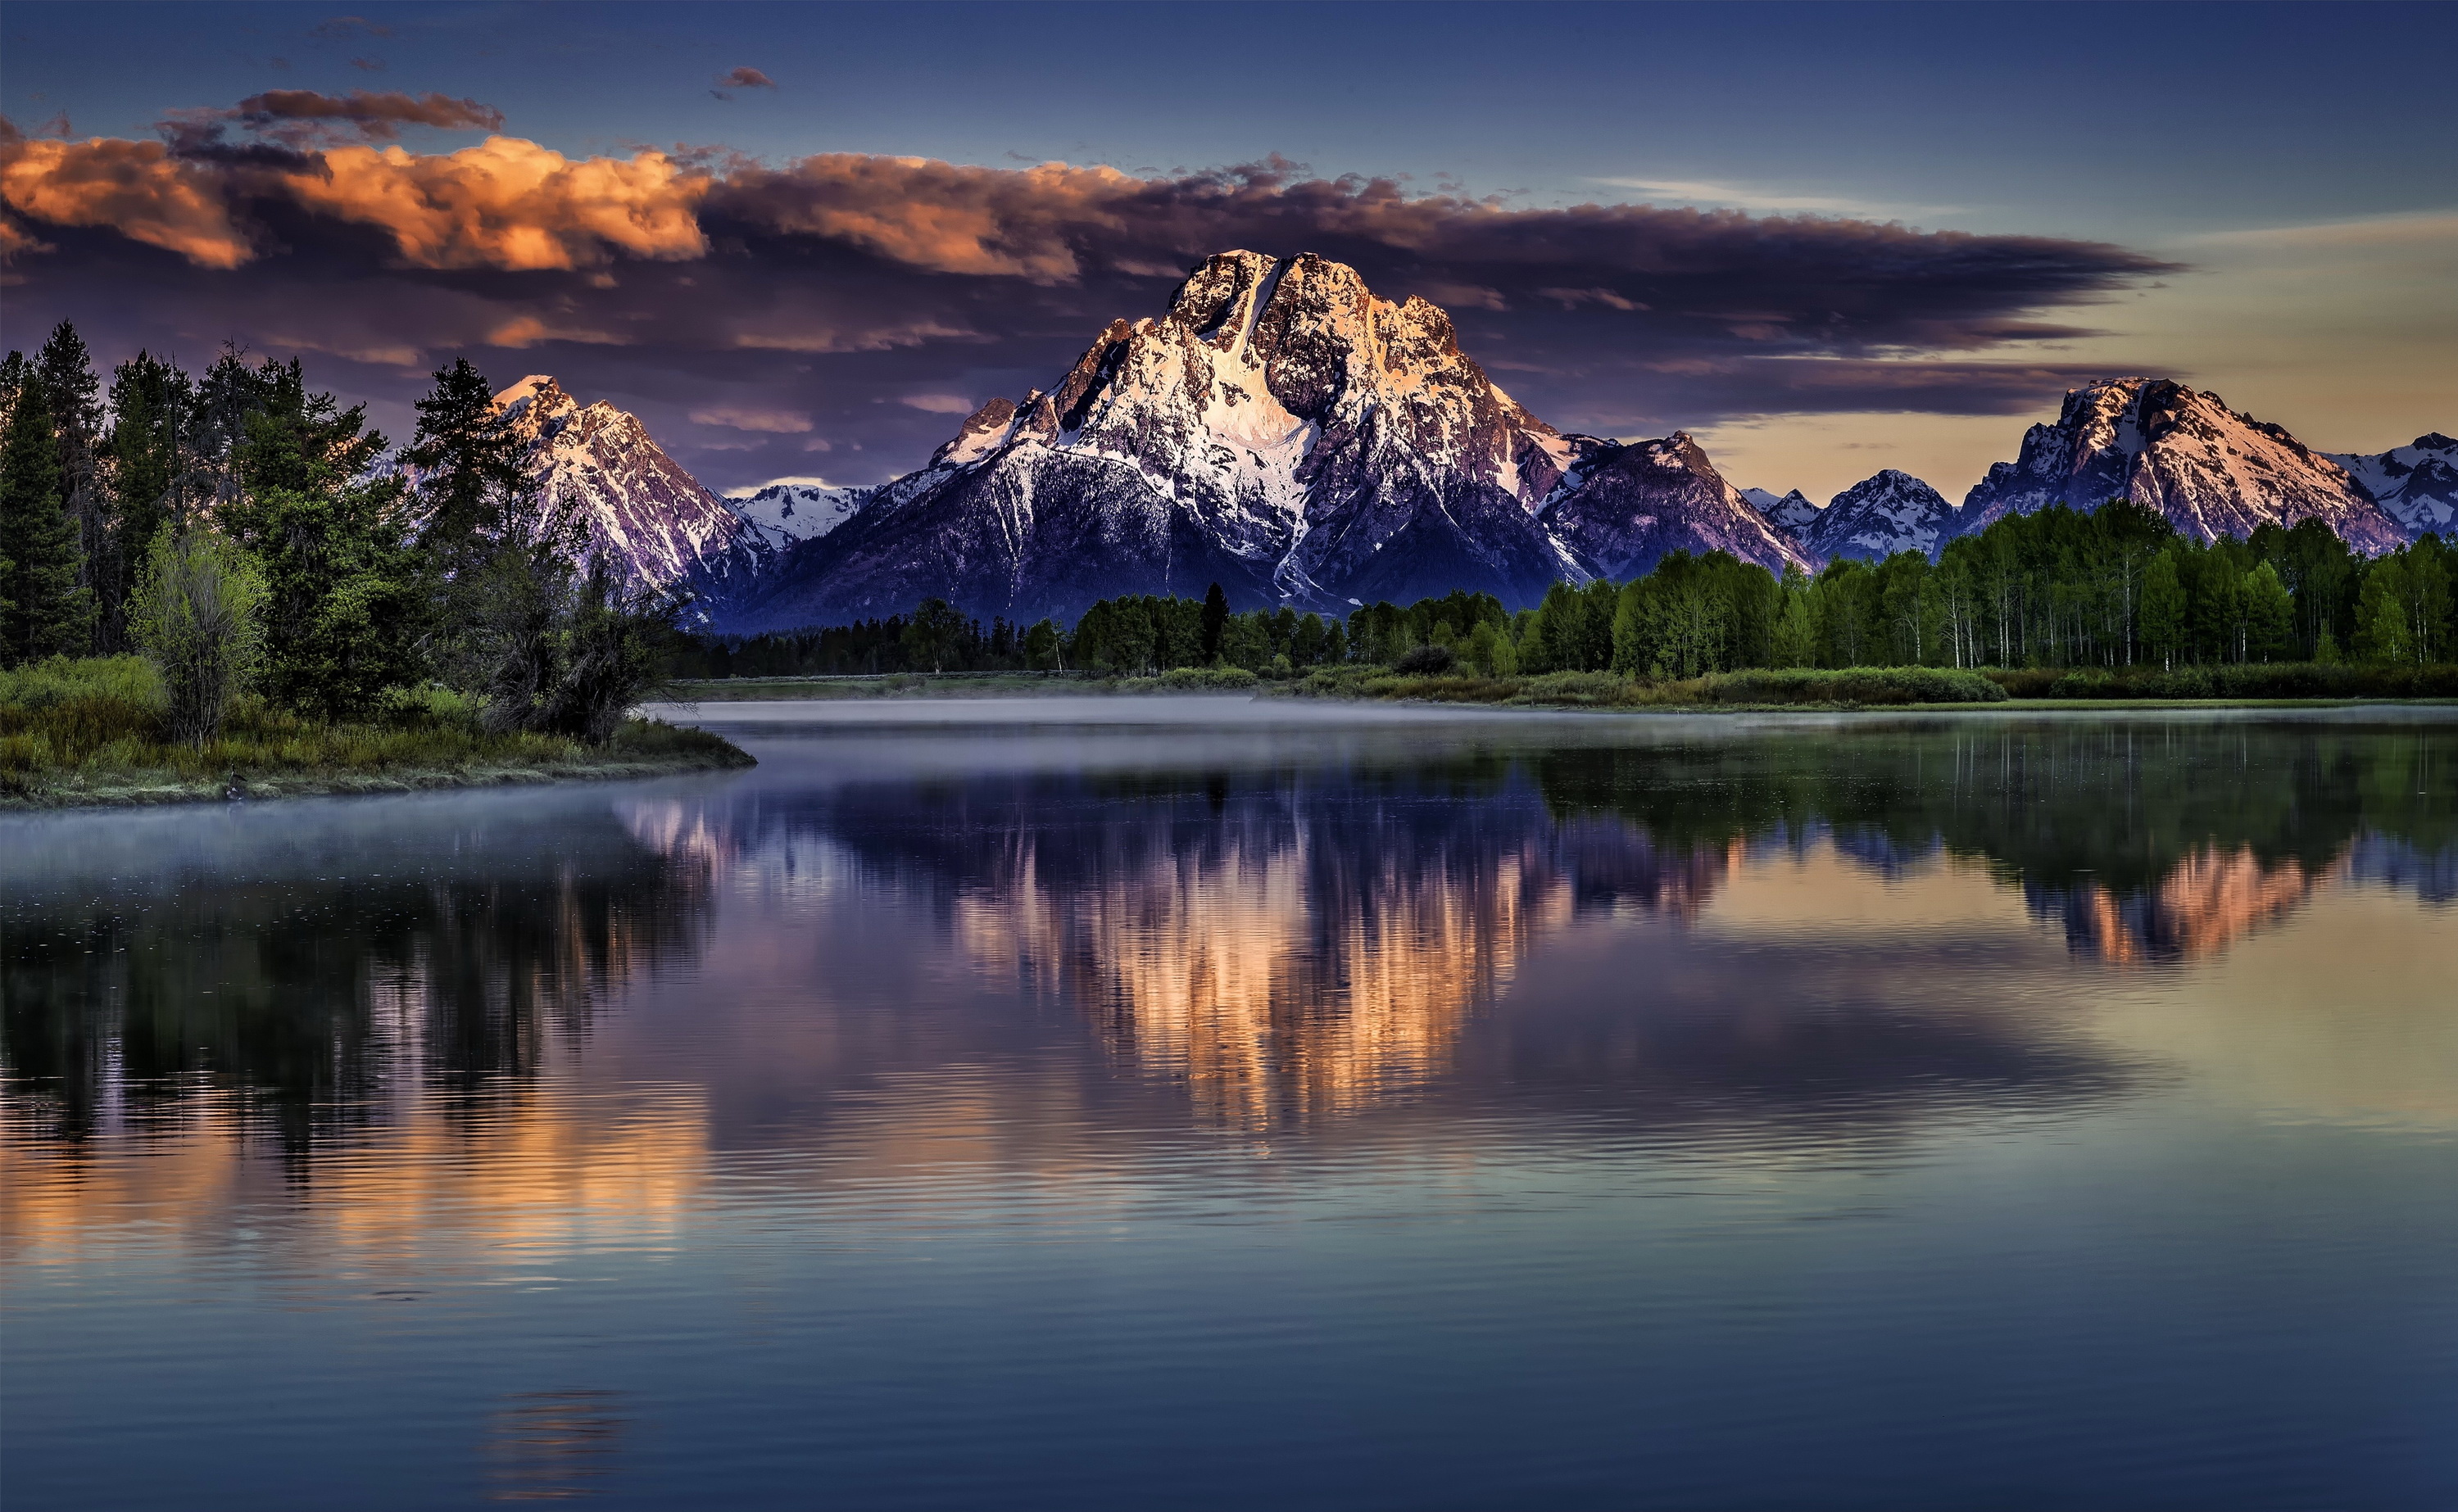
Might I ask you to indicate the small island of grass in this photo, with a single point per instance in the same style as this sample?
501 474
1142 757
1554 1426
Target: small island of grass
96 731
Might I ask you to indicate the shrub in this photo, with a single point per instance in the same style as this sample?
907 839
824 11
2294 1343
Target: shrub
1850 685
1426 661
198 613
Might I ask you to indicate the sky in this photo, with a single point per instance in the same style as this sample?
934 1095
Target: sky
804 240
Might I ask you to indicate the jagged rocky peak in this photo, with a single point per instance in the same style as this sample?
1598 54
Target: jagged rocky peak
1881 515
1634 504
1283 430
2211 470
643 512
2416 486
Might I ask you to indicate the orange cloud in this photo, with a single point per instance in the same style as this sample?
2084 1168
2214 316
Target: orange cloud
512 204
135 188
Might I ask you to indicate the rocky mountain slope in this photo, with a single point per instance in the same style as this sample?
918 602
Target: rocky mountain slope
2211 470
1282 431
1875 518
2416 486
643 511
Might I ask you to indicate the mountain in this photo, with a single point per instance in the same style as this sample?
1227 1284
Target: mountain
1881 515
643 511
1629 506
2211 470
784 514
1282 431
1793 513
2416 486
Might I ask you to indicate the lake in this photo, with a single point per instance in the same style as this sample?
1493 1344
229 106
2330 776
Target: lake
1200 1104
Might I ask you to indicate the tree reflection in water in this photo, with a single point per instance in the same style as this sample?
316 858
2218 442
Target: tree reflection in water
305 978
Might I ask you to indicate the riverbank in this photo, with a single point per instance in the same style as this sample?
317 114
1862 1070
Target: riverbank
2285 685
77 733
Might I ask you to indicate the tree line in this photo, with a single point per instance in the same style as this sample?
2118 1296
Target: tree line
247 532
2119 587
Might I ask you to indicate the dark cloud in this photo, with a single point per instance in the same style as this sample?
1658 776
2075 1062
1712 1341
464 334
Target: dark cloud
835 286
340 26
308 118
368 65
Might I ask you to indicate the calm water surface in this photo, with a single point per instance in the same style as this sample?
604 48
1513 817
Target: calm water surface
1236 1106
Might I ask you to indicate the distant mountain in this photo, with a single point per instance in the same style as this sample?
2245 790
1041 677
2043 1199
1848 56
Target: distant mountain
1881 515
643 511
2416 486
1793 513
1631 507
2211 470
784 514
1282 431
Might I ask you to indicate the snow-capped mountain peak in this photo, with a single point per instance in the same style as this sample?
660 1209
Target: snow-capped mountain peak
2416 486
1792 512
2211 470
792 510
643 512
1888 513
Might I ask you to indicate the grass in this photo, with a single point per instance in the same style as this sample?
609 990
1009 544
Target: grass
1859 687
2246 681
887 685
91 732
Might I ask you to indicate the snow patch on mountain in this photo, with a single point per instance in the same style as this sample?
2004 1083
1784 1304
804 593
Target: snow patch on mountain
2416 486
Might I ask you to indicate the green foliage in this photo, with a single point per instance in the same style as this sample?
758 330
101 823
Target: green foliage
199 613
98 730
933 635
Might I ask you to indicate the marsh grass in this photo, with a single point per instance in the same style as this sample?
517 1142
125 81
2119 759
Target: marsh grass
96 731
1858 687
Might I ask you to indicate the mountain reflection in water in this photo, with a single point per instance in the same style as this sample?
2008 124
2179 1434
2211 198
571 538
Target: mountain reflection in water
1415 1114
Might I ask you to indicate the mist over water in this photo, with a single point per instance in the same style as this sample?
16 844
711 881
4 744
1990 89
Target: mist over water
1203 1104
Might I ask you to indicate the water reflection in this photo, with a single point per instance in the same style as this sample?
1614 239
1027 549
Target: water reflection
925 1115
1291 933
306 963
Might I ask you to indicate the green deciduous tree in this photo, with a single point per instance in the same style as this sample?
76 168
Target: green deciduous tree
198 614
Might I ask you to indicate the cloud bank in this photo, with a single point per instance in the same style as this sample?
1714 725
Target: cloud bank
694 283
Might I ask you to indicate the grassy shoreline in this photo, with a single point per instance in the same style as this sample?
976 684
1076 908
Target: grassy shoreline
1872 689
89 734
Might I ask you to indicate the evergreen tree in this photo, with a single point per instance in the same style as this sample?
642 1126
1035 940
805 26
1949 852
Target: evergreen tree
473 481
65 368
1215 621
47 611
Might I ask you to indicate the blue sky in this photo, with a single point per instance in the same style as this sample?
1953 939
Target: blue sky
2299 161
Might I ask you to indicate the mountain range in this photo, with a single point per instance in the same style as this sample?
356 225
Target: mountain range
1284 431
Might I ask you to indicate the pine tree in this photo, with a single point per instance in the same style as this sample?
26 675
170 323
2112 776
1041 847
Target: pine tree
47 611
1216 620
472 479
65 368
